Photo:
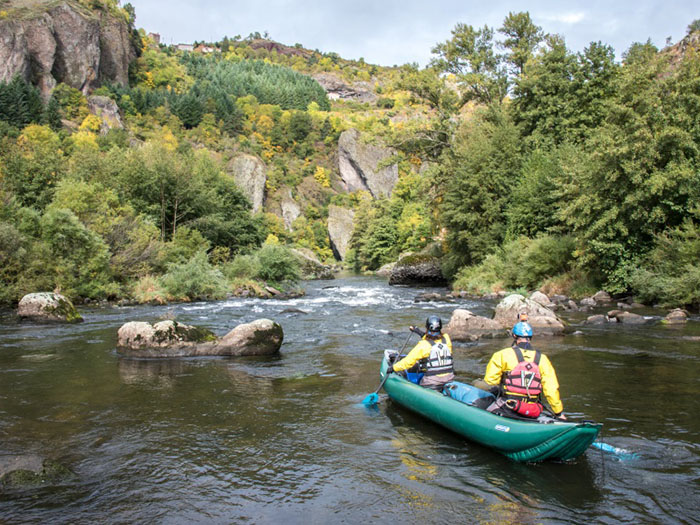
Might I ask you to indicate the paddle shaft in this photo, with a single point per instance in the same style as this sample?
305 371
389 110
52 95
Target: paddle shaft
387 375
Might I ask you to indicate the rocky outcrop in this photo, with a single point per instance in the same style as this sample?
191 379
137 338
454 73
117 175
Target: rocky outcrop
466 326
311 267
290 210
65 43
250 175
417 269
543 320
358 163
174 339
48 307
337 89
340 229
26 471
107 110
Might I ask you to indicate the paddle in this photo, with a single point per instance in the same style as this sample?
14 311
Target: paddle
621 453
372 398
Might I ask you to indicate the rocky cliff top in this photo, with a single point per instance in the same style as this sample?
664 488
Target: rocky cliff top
62 41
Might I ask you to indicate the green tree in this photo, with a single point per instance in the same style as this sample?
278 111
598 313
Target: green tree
522 38
486 163
470 56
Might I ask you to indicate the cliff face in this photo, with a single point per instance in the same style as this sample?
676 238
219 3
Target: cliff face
65 44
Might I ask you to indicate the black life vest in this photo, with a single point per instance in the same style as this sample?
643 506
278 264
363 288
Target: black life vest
525 379
440 359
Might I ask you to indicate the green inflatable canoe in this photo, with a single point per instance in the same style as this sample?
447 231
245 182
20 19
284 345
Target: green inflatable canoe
520 440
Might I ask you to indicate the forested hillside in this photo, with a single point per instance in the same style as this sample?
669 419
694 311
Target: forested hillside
520 163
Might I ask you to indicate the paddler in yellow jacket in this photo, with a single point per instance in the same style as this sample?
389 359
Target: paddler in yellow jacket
523 373
434 354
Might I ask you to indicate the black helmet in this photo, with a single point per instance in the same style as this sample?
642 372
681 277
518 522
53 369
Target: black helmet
433 325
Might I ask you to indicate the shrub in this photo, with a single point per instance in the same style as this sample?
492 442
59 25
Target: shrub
242 267
277 264
670 274
195 279
385 102
149 290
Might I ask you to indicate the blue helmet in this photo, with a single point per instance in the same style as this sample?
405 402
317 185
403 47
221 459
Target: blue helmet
522 330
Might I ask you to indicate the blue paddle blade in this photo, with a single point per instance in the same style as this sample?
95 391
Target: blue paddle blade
371 399
621 453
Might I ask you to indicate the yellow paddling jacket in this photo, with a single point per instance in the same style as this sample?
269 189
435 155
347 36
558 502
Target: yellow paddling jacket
439 363
505 360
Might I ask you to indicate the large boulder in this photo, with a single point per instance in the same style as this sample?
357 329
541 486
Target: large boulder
419 268
48 307
59 42
174 339
359 165
107 110
467 326
543 320
340 229
311 267
542 299
677 316
250 175
261 337
602 297
385 271
30 470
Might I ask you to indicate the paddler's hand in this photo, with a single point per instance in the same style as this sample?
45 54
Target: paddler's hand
561 416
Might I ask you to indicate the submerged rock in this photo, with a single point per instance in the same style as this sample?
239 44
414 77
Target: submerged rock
596 319
26 471
173 339
48 307
626 317
467 326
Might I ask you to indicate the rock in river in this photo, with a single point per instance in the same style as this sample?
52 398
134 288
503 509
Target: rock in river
543 320
466 326
48 307
174 339
419 269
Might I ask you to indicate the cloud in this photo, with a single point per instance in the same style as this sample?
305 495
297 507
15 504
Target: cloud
566 18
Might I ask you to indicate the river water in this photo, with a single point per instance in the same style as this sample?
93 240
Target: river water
261 440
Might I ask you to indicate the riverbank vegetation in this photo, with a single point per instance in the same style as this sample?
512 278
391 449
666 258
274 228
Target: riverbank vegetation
523 164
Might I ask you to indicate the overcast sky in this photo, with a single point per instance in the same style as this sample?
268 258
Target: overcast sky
392 32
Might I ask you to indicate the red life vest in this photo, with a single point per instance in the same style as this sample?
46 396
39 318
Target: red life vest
525 379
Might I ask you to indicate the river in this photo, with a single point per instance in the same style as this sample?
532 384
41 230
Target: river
286 438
